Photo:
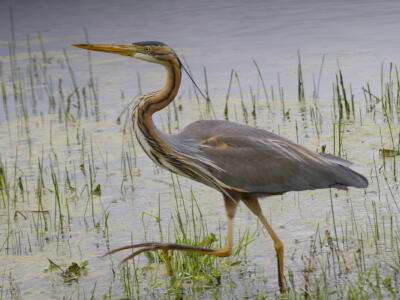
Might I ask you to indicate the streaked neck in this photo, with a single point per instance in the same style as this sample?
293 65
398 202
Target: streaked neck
167 94
154 102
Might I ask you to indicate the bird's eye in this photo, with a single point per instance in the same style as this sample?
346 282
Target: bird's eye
147 49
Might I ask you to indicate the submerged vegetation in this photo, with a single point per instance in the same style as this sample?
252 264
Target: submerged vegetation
74 184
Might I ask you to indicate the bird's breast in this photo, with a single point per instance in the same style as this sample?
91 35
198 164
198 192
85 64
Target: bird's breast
154 152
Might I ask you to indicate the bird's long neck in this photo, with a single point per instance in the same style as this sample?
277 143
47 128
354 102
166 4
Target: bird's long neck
153 102
167 94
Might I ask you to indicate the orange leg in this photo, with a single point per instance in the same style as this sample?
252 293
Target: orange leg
254 206
230 206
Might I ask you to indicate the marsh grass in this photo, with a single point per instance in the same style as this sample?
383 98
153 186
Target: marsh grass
300 81
61 173
188 226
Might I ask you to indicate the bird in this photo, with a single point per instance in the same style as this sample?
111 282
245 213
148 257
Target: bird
244 163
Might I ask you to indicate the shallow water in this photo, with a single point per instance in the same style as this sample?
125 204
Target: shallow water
221 36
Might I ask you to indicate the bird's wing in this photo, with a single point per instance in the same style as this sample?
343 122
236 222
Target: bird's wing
266 165
257 161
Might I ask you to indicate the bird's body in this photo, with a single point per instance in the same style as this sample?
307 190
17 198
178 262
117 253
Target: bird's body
261 163
240 161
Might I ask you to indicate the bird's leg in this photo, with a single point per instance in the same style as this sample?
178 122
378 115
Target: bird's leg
231 203
254 206
167 262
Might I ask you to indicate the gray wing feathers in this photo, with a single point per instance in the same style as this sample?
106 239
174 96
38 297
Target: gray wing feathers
258 161
336 159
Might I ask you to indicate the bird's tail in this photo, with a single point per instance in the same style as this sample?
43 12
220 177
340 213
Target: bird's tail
348 177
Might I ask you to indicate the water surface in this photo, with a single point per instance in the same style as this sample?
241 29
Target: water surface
222 35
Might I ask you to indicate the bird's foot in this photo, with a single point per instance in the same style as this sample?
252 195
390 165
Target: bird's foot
145 247
154 246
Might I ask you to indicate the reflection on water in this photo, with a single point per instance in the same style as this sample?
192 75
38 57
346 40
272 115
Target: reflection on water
79 145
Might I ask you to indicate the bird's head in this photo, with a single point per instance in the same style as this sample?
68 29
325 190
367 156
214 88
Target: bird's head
155 52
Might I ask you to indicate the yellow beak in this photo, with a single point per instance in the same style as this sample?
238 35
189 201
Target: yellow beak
127 50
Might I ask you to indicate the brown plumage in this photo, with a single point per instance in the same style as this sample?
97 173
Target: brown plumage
242 162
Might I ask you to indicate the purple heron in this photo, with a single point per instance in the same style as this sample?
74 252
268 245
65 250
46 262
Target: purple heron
242 162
